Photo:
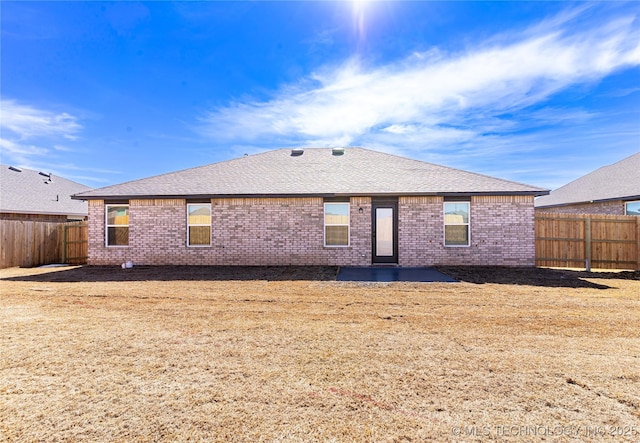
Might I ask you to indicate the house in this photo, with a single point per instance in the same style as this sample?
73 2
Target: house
31 195
343 207
613 189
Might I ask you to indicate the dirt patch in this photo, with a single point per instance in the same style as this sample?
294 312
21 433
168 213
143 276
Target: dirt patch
535 276
471 274
175 273
179 354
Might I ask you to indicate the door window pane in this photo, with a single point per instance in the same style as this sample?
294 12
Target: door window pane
384 232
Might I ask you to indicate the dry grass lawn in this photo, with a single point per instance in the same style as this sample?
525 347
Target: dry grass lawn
170 354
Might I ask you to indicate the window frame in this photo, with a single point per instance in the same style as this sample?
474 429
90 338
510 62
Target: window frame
107 225
445 224
625 206
325 224
189 245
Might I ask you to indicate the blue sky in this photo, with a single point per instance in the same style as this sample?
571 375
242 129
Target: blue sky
536 92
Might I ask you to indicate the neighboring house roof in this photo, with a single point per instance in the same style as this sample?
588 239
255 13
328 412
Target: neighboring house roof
314 172
619 181
25 191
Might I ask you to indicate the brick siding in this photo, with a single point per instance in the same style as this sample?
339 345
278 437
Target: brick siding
615 207
501 231
290 231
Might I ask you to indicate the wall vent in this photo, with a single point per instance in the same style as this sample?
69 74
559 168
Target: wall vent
297 152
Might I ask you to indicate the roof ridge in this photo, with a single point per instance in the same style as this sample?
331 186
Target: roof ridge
360 171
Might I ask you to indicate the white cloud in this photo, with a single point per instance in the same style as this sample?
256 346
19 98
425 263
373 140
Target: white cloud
400 129
27 122
13 148
29 133
433 100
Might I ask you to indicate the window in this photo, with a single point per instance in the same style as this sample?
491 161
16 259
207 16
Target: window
336 224
199 224
117 225
632 208
456 224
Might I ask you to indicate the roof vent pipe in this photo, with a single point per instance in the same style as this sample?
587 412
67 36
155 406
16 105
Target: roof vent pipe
337 151
297 152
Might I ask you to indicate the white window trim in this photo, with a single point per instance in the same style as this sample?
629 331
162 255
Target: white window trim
445 224
107 225
348 225
198 224
626 203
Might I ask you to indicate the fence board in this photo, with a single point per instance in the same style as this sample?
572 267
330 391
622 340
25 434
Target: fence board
75 242
28 243
588 240
35 243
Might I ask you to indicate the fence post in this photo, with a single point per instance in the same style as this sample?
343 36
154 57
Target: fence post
587 245
64 243
638 243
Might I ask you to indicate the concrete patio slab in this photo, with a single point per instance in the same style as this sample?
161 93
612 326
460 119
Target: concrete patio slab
390 274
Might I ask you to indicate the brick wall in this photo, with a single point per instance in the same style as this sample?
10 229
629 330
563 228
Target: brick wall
615 207
502 232
290 231
49 218
255 231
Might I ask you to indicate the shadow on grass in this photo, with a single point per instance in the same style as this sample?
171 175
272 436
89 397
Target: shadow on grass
184 273
534 276
470 274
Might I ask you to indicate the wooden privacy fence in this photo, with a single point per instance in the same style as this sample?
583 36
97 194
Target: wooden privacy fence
33 243
74 243
588 240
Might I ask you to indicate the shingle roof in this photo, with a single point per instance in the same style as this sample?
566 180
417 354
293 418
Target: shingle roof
620 180
316 172
27 191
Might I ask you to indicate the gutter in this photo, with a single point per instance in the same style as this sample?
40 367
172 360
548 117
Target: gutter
603 200
308 195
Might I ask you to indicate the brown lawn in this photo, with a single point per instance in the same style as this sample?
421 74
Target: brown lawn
203 354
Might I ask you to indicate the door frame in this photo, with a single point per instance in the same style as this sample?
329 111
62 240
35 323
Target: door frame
384 203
